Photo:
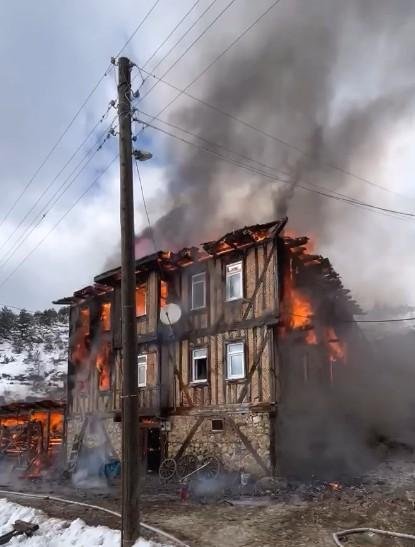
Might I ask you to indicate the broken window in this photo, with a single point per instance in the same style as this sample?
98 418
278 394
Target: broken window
234 289
164 290
235 360
102 362
142 370
198 291
199 365
140 300
105 316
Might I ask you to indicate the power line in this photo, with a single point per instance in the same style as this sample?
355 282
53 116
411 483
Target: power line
218 57
28 255
145 208
171 34
72 121
265 133
54 180
56 196
319 189
274 178
199 37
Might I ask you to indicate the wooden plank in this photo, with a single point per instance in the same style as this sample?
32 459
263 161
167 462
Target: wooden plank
254 384
256 363
189 437
221 399
211 302
248 445
258 307
259 283
215 369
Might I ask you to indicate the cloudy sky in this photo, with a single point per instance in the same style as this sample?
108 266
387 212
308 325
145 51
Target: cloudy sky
307 72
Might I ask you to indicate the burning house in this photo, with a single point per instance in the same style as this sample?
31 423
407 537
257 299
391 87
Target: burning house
31 437
263 318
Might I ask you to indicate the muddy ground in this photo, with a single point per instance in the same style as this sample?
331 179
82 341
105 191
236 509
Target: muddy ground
299 514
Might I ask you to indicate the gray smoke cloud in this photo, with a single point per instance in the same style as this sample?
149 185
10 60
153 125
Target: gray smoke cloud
333 79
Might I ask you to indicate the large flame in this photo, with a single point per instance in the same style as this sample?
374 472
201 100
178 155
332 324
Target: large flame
105 316
102 363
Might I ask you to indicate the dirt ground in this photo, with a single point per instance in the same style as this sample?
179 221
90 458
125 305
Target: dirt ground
298 515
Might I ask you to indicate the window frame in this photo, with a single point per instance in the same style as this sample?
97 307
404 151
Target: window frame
141 285
142 365
228 360
229 275
204 277
204 380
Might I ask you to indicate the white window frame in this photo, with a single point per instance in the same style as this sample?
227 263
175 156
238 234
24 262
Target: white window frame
229 353
194 359
197 279
232 270
142 365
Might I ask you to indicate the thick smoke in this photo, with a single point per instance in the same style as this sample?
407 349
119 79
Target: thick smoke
333 79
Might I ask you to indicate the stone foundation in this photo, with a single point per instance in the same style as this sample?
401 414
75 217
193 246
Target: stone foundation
227 445
113 429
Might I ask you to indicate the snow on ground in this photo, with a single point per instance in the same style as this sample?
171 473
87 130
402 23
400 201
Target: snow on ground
56 532
37 368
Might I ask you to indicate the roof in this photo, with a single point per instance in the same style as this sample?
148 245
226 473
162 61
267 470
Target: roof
13 408
169 261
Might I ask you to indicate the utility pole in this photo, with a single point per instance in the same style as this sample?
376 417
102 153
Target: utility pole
130 425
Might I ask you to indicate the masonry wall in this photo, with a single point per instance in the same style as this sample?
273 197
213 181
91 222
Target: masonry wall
113 430
227 445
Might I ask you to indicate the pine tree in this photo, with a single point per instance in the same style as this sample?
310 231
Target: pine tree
7 323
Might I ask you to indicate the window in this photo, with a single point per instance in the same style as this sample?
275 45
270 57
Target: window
140 300
142 370
199 365
198 291
217 425
234 281
106 316
164 291
235 359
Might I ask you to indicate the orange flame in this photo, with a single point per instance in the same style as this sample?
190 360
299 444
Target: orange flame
337 348
140 300
102 362
164 291
105 316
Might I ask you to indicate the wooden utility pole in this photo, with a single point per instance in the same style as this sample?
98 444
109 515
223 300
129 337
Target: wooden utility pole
130 427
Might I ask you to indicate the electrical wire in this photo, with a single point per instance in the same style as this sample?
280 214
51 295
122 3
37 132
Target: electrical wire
49 186
268 135
199 37
173 47
171 34
72 121
145 208
348 200
56 196
28 255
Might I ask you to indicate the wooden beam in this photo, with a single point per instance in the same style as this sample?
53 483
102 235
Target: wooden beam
189 437
260 281
249 446
182 386
255 365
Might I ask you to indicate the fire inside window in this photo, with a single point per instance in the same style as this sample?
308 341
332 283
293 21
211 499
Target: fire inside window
84 321
103 366
140 300
199 365
198 291
106 316
164 290
234 290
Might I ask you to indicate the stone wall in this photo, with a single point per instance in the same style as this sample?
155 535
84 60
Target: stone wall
227 444
113 429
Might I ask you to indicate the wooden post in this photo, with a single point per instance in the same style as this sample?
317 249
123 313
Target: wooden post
130 529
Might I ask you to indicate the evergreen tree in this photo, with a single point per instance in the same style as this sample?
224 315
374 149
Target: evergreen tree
7 323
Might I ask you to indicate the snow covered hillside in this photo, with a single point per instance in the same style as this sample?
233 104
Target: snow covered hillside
33 355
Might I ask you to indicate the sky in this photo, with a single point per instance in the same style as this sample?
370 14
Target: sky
53 55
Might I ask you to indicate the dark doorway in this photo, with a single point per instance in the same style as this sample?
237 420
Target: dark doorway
153 450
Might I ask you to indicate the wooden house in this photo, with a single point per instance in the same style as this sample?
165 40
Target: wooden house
257 315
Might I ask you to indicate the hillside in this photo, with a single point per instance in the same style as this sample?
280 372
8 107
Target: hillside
33 355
